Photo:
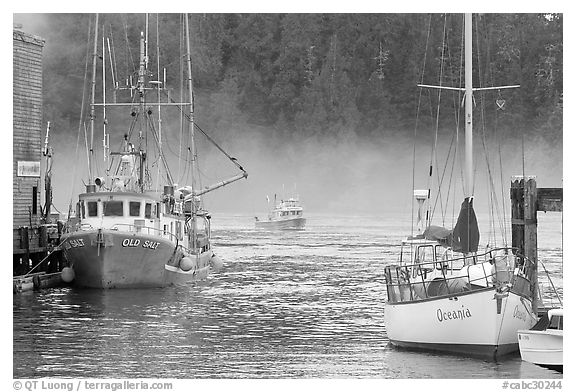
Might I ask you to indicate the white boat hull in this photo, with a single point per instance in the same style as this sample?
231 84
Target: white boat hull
544 348
127 260
471 323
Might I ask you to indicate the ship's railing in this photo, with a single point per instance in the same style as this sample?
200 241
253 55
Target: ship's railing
144 230
501 268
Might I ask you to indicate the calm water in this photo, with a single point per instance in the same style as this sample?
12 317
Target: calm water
286 305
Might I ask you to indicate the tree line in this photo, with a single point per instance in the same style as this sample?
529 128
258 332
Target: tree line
330 75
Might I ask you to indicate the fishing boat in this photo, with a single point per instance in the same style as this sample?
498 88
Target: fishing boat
444 293
543 343
134 226
287 214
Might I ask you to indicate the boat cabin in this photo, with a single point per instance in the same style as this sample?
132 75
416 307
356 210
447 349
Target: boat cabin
287 209
126 211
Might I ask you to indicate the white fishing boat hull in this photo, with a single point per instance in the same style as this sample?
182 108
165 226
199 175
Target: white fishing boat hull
544 348
472 323
282 224
115 259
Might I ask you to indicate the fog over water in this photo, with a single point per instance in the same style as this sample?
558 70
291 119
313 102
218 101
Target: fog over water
353 176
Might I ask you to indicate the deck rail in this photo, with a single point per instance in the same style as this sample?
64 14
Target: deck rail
502 268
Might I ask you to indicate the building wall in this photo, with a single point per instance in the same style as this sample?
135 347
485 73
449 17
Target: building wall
27 124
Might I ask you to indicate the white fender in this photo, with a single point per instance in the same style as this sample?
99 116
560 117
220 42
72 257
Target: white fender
216 262
187 263
67 274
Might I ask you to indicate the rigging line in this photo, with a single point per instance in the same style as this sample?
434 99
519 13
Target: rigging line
161 157
491 188
130 132
416 125
490 181
112 52
158 96
82 107
181 85
493 206
433 156
503 222
232 159
128 52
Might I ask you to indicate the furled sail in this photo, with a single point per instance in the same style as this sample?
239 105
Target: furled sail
464 237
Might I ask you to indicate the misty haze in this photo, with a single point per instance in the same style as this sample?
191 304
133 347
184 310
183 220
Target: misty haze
359 162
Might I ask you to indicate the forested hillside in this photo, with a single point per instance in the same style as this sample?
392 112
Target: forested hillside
294 75
324 104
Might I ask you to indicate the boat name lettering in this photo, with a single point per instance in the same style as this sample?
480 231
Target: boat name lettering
519 314
459 314
150 244
130 242
77 243
133 243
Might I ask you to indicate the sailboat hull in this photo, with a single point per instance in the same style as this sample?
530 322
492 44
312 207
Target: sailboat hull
114 259
476 323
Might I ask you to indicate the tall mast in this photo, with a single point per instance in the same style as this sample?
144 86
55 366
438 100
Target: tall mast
190 96
469 162
92 101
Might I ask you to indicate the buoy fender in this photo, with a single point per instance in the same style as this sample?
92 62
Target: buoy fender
67 274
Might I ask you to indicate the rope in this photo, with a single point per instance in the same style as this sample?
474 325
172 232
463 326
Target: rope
80 122
433 156
417 122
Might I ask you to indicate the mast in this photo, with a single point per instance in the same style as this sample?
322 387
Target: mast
190 96
92 101
142 92
469 161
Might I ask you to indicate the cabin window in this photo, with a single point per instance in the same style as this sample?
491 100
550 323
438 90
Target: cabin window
148 211
425 254
134 208
556 323
113 208
92 208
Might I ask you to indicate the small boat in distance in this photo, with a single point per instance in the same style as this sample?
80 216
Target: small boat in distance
286 215
542 344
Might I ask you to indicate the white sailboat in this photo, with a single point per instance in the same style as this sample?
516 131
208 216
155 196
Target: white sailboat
134 226
447 295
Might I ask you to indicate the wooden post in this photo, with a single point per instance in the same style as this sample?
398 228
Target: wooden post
523 195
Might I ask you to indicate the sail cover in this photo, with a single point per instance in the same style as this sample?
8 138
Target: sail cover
465 235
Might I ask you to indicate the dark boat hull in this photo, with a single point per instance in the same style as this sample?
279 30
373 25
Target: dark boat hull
116 259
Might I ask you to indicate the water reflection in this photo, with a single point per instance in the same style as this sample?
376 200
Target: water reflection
286 305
